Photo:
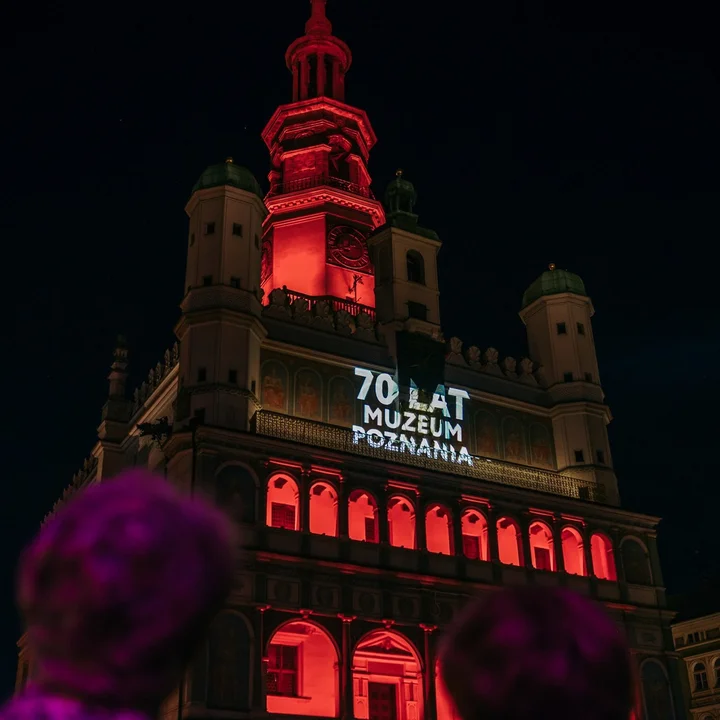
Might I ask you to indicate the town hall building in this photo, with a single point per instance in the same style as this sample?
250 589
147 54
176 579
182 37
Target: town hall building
379 473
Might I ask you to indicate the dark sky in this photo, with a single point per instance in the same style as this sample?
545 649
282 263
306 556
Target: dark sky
580 133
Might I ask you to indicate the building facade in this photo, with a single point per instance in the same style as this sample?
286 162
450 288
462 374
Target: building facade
379 475
698 643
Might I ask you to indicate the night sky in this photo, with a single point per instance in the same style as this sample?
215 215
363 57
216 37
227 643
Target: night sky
584 134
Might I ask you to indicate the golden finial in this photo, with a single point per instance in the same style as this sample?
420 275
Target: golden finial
229 159
398 173
551 266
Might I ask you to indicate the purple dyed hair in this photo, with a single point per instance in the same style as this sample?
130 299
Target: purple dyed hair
119 587
532 652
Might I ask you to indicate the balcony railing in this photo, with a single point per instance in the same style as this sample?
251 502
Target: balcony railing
332 437
336 303
317 181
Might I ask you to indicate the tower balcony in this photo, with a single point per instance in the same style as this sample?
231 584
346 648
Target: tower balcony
308 183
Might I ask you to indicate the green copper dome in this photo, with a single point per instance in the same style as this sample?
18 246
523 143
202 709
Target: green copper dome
553 282
228 173
400 195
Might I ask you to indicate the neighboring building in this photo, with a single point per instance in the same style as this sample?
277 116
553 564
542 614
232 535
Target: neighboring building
698 643
379 475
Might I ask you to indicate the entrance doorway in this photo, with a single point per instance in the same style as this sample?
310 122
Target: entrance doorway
382 704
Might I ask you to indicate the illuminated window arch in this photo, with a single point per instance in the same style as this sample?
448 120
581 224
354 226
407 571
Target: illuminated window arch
509 547
362 517
542 553
401 523
438 530
474 535
444 703
573 550
323 509
700 678
415 267
302 671
283 503
636 563
603 558
657 697
387 671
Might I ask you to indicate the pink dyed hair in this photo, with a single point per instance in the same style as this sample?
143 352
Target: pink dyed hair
532 652
119 587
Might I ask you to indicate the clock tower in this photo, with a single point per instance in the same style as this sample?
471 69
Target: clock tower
320 206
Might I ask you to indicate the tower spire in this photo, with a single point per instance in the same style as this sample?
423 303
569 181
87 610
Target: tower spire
318 24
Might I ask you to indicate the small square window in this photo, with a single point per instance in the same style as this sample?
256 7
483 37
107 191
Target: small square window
580 329
417 310
588 377
207 280
579 456
561 329
232 377
237 229
200 415
568 377
202 374
209 228
600 456
192 239
235 282
257 241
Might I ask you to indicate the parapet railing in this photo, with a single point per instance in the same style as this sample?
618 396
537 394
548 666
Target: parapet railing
332 437
336 303
317 181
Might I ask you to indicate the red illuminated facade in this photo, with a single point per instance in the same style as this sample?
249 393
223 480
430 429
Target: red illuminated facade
367 526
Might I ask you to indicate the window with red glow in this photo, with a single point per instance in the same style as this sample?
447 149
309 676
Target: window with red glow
323 510
474 535
438 530
509 548
282 503
387 678
603 559
362 517
302 672
573 551
401 523
282 674
541 546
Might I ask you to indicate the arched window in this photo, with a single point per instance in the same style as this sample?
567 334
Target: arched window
323 510
603 559
235 492
302 671
541 546
635 562
700 679
228 670
656 692
445 705
415 267
401 523
438 530
362 517
509 547
387 677
474 535
283 506
573 551
716 670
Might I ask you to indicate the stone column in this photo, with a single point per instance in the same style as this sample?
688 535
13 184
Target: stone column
304 501
347 699
557 545
420 539
457 511
320 74
587 551
429 685
382 509
304 78
342 508
525 521
493 551
264 660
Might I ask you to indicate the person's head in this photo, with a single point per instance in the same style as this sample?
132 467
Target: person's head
118 589
527 652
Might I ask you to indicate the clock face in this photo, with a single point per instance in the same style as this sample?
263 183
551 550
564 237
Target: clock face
346 247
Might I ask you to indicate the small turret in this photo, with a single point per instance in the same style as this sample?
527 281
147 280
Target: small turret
118 371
